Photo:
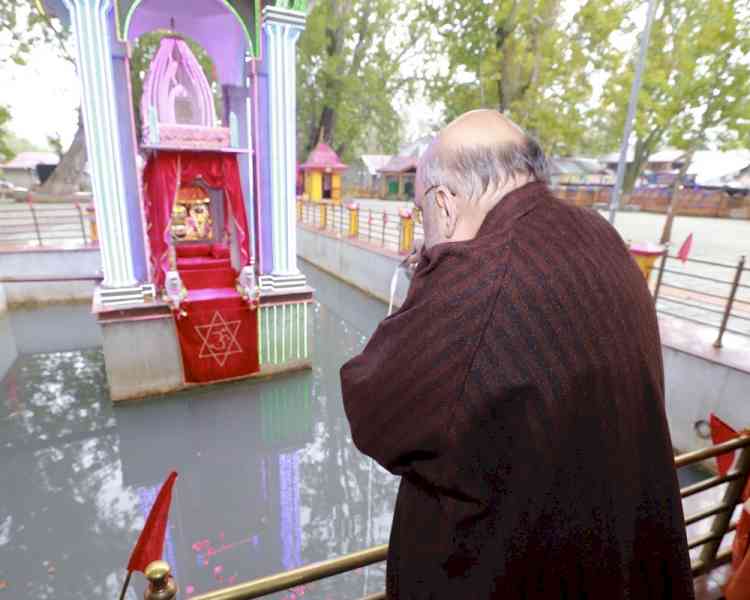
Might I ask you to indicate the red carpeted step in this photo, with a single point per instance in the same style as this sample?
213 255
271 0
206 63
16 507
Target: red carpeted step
202 262
216 295
199 279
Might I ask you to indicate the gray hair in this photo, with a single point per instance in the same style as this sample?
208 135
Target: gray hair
470 170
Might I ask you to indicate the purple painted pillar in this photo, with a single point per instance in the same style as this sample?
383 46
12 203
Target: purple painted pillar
128 152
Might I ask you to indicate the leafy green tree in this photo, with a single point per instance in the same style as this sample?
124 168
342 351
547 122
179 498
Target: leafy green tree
5 150
25 26
534 61
349 74
696 87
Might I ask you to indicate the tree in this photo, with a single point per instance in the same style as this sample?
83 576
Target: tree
5 149
530 60
25 26
348 74
696 86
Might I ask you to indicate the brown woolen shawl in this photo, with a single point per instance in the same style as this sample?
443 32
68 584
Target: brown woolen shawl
519 393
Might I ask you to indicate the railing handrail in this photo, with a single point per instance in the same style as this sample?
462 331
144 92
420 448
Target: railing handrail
689 458
313 572
302 575
39 224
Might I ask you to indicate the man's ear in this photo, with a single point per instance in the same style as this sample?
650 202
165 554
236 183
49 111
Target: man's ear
448 212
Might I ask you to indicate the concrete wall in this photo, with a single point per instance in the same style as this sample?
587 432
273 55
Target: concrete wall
695 385
49 263
8 349
367 269
154 368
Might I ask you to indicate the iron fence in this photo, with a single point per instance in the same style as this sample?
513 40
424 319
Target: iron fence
379 228
34 225
709 293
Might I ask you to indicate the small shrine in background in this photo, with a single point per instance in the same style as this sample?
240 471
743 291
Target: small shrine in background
200 278
322 171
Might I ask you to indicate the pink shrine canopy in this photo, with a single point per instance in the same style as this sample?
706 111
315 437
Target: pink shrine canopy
321 158
208 22
177 88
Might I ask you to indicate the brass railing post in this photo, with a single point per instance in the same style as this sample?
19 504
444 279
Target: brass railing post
353 209
161 586
720 523
730 301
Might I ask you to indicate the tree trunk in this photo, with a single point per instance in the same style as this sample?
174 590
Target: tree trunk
68 174
666 234
633 170
326 127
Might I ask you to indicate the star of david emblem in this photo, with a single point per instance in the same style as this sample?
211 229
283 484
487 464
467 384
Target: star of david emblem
219 339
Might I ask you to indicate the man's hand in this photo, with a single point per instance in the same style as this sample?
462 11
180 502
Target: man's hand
411 262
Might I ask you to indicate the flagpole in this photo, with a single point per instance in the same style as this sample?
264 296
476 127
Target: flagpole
125 585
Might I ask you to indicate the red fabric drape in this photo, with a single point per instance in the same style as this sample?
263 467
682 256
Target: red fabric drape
163 175
218 340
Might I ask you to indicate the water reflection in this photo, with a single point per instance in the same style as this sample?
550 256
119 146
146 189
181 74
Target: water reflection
269 478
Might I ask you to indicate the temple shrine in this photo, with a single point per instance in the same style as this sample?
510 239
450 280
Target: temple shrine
322 173
196 214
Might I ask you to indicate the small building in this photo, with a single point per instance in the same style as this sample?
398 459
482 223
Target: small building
398 178
728 170
579 171
23 171
362 178
322 171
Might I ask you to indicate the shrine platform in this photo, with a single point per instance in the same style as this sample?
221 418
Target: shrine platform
142 353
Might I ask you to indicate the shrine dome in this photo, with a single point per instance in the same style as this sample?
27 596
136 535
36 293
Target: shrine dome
323 158
177 106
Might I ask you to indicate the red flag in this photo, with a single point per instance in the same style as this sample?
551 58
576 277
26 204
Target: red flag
720 433
738 586
150 544
685 248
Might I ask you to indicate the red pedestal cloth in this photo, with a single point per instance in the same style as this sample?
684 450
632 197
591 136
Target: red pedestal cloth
218 338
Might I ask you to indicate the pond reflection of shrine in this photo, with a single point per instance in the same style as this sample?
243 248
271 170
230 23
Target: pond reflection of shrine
199 247
260 450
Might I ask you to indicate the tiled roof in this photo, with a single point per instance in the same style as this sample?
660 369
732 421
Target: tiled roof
375 162
400 164
29 160
323 157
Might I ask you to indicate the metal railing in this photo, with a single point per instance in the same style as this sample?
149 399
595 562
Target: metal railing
34 225
704 292
380 228
710 557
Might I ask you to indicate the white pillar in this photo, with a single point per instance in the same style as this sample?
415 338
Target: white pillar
89 22
282 28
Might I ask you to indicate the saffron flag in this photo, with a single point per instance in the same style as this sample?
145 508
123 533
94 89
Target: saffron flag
720 433
684 251
150 544
738 586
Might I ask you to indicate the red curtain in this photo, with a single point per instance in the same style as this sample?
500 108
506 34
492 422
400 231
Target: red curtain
218 339
162 177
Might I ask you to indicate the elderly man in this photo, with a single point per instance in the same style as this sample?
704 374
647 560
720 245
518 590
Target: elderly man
519 394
